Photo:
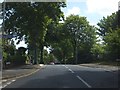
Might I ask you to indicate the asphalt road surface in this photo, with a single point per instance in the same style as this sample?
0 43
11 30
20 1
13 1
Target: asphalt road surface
67 76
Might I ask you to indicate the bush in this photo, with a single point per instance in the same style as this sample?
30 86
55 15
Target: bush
19 60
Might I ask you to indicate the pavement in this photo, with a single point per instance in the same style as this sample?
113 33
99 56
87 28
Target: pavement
19 71
105 67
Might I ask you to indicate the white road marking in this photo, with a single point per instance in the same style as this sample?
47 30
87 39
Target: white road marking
17 78
4 80
13 80
4 86
107 70
84 81
9 83
27 74
71 70
66 67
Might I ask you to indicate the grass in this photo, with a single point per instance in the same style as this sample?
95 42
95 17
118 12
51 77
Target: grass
111 63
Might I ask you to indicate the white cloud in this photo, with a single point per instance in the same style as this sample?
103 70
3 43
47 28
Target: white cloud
1 1
76 0
74 10
21 44
102 7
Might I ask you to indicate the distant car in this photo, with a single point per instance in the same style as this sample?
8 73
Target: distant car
52 63
57 63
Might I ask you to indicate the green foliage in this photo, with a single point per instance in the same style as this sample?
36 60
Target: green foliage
18 60
98 50
5 57
108 24
48 57
113 44
30 21
73 41
8 52
75 34
60 43
81 35
15 57
21 51
110 32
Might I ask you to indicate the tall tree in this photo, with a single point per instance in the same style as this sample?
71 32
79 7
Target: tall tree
109 30
31 20
81 34
108 24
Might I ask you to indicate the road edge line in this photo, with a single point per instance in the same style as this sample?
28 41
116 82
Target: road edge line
20 75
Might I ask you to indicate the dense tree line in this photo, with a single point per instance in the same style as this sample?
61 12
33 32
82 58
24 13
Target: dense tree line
73 41
30 21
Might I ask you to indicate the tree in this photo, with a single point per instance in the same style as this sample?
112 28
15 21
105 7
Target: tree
81 34
8 52
98 51
108 24
113 44
109 30
21 51
72 40
30 21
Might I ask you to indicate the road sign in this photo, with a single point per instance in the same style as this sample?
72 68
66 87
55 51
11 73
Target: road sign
7 36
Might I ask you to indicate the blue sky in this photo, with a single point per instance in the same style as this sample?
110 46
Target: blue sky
94 10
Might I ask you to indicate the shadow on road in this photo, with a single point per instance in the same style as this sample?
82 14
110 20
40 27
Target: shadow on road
97 79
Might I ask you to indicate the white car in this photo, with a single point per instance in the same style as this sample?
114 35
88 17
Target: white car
52 63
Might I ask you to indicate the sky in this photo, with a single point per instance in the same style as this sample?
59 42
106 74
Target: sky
94 10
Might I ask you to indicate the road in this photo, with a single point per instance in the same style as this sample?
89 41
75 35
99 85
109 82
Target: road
67 76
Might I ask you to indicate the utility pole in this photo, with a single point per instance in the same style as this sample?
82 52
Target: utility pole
76 53
3 27
118 60
76 47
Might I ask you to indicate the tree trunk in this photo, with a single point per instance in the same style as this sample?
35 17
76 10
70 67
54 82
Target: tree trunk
75 52
41 56
35 56
73 61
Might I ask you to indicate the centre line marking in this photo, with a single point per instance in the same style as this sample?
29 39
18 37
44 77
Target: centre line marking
84 81
71 70
66 67
4 80
13 80
4 86
9 83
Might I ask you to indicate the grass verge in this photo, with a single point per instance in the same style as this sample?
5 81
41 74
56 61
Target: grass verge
111 63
